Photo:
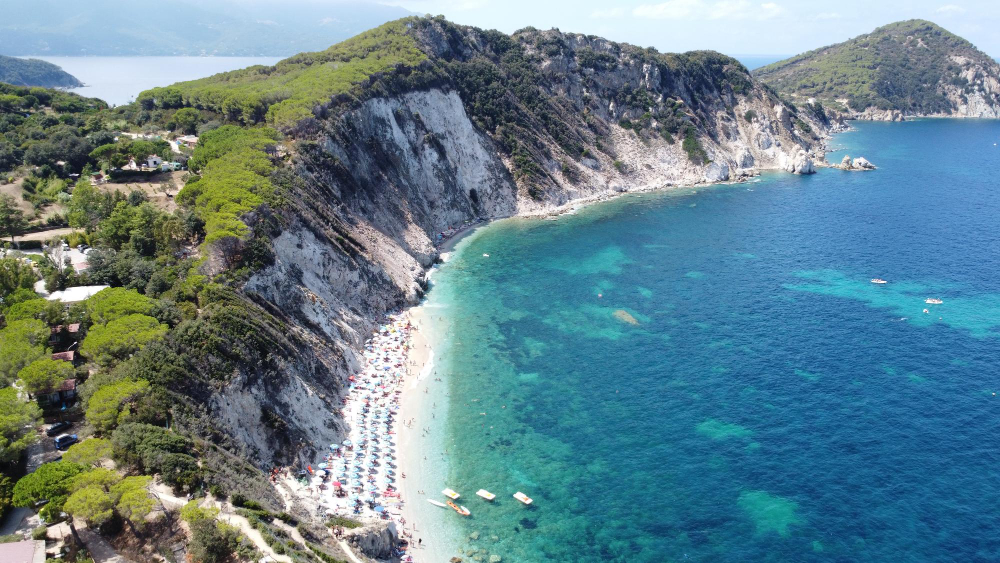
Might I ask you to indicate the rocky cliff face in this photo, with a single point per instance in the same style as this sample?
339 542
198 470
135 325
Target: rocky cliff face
491 126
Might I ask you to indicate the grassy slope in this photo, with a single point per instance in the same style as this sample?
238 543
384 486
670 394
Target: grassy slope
287 92
34 72
897 66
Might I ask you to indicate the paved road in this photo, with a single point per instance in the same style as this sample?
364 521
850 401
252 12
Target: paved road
100 550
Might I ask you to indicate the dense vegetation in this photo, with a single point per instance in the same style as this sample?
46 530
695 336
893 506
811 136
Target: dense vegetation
900 66
42 127
35 72
295 88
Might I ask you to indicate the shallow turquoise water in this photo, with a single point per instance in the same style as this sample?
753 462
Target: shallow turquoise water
708 375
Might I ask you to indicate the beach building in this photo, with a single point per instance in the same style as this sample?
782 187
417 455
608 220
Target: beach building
62 396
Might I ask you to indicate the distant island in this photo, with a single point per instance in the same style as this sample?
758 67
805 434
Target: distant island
913 67
33 72
183 28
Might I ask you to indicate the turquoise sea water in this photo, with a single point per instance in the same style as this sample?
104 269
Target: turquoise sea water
708 375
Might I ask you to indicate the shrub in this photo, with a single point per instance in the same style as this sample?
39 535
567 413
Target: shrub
40 533
692 146
750 115
212 543
343 522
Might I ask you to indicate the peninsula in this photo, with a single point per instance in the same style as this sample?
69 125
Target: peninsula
908 68
35 72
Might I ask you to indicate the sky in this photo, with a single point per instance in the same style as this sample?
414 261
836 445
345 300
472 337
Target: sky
747 27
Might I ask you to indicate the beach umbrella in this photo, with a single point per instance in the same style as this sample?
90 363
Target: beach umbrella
379 509
337 484
347 443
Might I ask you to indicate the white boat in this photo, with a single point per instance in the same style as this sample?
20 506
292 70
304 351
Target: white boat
450 494
878 280
437 503
523 497
486 494
932 301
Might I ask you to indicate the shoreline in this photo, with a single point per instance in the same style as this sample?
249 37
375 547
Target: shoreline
418 427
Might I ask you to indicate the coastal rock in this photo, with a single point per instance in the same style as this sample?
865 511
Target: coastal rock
717 172
861 163
845 162
801 163
375 540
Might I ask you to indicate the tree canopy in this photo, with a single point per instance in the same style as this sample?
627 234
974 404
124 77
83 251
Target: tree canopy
116 302
89 452
21 343
17 422
45 375
111 404
111 343
52 482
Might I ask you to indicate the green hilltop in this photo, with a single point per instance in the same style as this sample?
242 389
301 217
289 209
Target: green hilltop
35 72
909 66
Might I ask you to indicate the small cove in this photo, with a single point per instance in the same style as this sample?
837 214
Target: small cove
759 399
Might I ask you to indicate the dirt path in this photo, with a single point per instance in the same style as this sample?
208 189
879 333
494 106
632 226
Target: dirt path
349 552
49 234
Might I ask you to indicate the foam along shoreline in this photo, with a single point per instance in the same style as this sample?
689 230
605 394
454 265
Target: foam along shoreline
423 455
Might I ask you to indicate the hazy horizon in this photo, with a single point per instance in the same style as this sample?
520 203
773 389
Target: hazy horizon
740 28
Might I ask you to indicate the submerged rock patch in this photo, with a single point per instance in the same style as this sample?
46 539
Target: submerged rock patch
770 513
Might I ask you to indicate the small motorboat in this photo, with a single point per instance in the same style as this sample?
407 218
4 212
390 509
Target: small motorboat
523 497
878 280
437 503
486 494
450 494
932 301
459 509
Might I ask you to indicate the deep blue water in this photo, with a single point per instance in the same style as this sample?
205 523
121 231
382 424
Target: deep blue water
770 404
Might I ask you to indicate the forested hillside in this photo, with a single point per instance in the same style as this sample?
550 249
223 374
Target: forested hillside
914 66
34 72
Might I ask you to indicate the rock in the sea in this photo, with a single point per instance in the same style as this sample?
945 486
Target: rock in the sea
717 172
801 164
861 163
495 559
845 163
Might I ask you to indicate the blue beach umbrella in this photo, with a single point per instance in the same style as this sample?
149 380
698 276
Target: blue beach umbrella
379 509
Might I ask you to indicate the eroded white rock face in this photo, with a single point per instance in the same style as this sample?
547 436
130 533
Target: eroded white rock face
861 163
717 172
801 163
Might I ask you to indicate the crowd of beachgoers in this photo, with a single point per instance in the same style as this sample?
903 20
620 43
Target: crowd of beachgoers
359 478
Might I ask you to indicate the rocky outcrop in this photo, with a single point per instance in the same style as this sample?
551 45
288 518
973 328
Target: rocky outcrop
374 540
800 163
860 163
875 114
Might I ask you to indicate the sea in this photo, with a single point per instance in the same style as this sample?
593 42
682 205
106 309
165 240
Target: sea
709 374
118 80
